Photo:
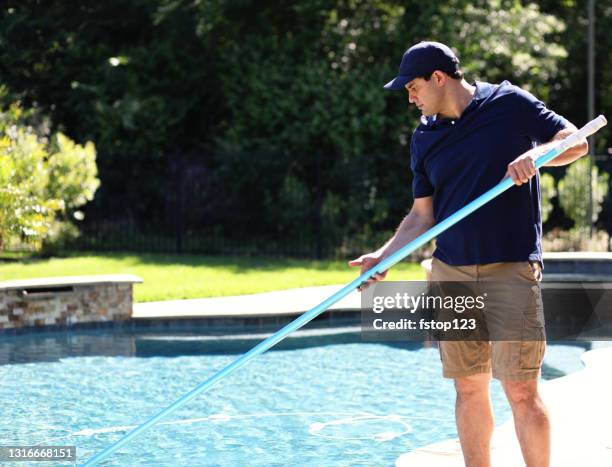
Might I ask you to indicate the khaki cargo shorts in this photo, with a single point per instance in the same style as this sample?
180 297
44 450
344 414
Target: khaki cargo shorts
514 360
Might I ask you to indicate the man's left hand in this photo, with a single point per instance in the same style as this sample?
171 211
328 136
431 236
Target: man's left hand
522 169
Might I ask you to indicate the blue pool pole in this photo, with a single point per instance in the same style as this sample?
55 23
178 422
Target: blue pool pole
396 257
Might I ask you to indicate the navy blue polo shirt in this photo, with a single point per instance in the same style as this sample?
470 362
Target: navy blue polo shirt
457 160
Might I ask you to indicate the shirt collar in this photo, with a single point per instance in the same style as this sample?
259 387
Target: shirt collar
482 91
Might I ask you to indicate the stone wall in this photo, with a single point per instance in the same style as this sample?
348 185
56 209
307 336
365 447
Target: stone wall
65 301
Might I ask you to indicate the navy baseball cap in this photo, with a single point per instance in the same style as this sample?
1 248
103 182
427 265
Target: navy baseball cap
423 59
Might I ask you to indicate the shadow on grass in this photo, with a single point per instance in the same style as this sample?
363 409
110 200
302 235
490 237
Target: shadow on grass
11 257
235 264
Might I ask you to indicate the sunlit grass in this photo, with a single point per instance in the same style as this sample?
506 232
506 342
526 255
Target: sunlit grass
171 277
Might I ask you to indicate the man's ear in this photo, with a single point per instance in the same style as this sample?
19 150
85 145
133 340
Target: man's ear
439 77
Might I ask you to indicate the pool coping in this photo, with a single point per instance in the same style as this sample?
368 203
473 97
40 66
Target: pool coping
578 255
575 421
44 282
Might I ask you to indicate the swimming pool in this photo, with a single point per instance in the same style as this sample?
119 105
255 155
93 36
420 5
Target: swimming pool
323 398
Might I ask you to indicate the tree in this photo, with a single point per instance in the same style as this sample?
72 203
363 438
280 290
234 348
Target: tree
568 88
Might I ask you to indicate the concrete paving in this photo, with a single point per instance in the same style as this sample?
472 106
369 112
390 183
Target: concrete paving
284 302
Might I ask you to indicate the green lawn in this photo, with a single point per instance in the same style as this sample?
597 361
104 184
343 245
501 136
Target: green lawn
168 277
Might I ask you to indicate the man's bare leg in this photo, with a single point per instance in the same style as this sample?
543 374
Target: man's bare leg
474 416
531 421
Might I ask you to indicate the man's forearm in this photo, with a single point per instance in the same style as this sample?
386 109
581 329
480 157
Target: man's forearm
409 229
523 167
567 157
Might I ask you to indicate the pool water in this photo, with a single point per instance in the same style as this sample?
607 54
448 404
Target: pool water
324 400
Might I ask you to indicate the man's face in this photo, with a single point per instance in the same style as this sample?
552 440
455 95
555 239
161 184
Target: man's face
426 95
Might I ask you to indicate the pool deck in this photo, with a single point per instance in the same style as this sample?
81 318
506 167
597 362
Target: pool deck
279 303
580 404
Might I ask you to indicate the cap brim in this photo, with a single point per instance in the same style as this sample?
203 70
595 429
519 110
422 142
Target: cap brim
398 83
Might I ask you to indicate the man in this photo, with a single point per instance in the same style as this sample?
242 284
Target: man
469 137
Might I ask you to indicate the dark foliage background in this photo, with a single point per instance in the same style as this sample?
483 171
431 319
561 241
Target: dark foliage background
253 126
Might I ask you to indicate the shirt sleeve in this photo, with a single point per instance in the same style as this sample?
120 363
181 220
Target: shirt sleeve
421 186
539 122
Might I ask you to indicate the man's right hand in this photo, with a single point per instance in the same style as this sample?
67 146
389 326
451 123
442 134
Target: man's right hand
419 219
367 262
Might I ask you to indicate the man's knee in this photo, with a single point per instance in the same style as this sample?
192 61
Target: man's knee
474 386
522 393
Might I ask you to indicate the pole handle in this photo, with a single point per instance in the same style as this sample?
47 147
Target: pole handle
584 132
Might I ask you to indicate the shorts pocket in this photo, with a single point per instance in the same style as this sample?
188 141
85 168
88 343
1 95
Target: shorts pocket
533 341
526 271
532 354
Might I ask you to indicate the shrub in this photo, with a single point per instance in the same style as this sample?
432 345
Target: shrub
548 192
574 193
42 180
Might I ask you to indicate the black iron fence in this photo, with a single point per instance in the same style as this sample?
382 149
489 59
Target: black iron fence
300 207
256 204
